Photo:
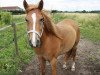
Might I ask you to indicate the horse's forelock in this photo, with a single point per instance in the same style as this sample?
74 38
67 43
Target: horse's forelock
31 7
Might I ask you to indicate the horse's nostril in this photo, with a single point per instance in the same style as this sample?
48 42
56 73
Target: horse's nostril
38 43
30 43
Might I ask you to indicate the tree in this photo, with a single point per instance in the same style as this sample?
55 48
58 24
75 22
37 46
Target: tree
84 11
54 11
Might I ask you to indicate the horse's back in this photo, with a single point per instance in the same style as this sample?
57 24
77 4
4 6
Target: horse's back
68 22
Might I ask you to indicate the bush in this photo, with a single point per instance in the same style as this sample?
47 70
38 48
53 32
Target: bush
5 18
17 12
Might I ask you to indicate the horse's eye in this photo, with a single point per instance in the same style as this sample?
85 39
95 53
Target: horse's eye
42 20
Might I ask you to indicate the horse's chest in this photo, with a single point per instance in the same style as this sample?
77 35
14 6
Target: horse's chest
49 49
46 53
49 52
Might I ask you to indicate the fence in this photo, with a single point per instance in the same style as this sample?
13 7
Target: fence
8 36
15 51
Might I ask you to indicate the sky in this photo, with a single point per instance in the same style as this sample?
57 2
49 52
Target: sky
63 5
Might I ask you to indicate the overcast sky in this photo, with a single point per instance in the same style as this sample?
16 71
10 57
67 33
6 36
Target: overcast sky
66 5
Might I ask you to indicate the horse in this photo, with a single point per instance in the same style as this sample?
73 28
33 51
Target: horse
49 40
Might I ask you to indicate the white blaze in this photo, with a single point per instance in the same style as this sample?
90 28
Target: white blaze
34 25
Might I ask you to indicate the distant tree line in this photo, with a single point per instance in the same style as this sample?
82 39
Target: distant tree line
84 11
54 11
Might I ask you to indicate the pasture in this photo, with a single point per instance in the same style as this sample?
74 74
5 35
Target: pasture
88 51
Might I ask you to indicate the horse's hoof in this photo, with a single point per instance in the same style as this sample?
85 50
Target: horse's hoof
64 66
72 69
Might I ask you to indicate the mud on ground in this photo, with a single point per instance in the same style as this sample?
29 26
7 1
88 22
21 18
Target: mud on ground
87 62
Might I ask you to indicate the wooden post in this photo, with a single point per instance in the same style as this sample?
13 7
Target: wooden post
15 39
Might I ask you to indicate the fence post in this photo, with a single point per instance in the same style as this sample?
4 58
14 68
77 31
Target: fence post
15 39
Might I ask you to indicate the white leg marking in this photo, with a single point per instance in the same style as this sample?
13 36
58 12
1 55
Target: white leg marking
73 66
34 25
64 65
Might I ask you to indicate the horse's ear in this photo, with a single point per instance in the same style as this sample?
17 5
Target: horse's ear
40 6
25 4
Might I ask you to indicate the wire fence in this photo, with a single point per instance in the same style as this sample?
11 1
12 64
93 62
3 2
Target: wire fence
11 34
5 27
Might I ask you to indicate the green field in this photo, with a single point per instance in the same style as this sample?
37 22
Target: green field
10 64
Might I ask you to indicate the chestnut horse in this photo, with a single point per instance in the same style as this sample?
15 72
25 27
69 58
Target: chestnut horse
49 40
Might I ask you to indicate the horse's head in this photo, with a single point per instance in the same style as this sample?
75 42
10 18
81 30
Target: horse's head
35 21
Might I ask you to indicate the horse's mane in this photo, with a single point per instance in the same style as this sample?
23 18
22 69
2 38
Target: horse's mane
50 28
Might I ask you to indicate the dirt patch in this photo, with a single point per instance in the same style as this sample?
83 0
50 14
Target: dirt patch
87 63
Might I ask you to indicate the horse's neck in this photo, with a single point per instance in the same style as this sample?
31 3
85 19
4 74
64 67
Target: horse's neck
49 36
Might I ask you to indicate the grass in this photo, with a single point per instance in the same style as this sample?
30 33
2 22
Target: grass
89 23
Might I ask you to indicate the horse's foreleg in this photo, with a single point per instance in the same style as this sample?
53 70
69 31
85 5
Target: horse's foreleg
54 64
42 64
73 57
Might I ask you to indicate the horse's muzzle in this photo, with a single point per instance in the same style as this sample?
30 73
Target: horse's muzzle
38 43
